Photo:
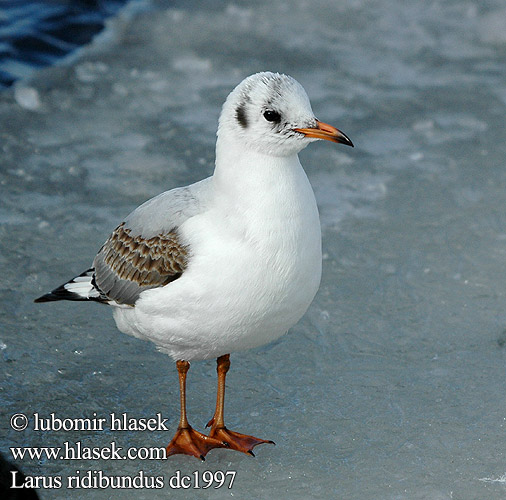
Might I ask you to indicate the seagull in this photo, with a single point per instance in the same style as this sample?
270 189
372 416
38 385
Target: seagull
228 263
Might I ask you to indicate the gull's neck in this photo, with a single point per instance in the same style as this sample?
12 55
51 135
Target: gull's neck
243 172
266 196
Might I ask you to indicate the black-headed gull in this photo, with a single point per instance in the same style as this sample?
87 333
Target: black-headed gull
225 264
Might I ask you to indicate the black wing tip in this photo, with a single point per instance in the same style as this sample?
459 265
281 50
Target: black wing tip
59 293
49 297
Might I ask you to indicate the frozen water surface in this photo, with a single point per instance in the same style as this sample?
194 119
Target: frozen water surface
392 386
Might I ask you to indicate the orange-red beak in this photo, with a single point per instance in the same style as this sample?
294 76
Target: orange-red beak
327 132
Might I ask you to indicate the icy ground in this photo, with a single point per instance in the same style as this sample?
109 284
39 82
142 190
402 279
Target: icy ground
393 385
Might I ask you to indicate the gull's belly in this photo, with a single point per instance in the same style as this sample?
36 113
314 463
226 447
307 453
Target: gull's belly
234 295
267 291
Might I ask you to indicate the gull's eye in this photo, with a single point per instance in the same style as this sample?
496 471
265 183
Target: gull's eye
272 116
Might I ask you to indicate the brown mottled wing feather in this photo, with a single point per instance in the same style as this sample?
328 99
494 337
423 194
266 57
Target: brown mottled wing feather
127 265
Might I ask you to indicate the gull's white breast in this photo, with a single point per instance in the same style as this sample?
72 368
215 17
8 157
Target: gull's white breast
254 268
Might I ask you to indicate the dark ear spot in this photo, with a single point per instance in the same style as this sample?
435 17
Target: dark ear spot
240 114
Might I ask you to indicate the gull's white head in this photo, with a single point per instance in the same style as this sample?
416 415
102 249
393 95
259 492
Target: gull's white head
271 113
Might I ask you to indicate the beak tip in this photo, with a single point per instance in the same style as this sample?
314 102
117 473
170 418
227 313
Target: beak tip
342 138
349 143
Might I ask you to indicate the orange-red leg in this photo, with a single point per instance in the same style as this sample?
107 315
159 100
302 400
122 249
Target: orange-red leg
235 440
187 440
